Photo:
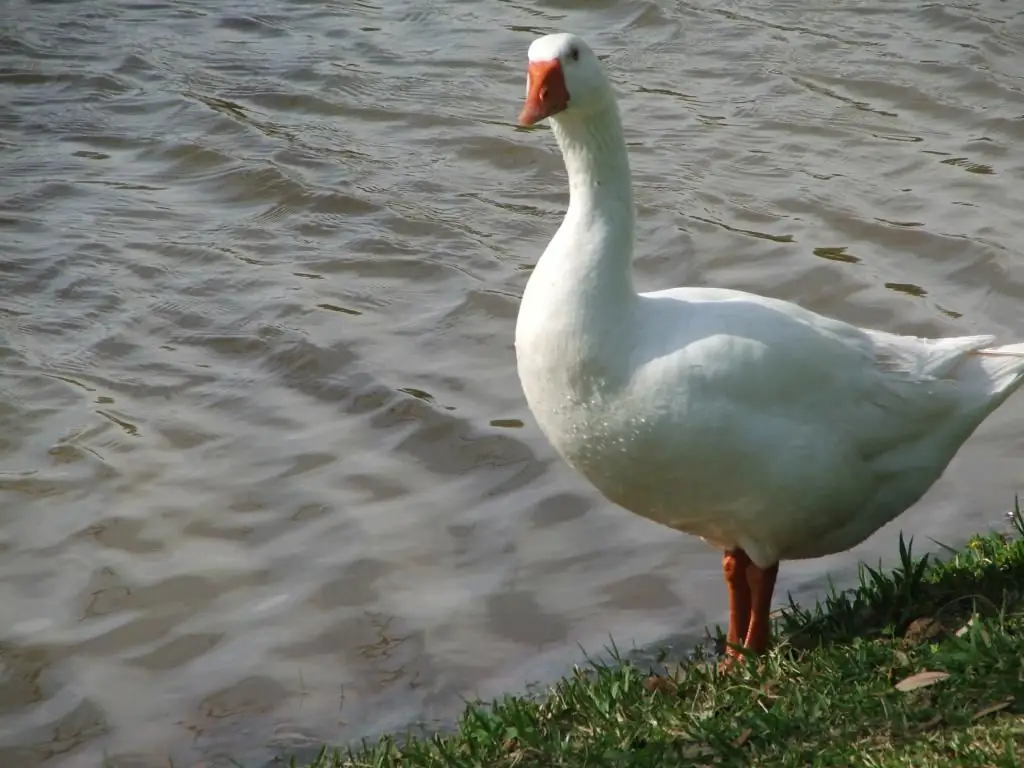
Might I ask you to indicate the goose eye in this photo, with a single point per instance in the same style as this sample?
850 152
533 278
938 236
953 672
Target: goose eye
574 53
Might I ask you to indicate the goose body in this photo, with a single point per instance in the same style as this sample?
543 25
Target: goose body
770 431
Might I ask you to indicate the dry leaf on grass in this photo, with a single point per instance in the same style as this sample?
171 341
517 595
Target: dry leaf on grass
921 680
966 627
975 619
923 630
660 684
991 708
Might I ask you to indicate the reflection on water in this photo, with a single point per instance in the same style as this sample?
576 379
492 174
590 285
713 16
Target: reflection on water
266 474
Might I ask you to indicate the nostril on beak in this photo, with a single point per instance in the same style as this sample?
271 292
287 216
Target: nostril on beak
543 93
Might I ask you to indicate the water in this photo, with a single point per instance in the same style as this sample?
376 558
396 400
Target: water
266 473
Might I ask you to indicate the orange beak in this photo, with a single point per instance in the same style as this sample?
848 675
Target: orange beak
546 94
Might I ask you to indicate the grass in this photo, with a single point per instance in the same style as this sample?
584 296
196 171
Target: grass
921 666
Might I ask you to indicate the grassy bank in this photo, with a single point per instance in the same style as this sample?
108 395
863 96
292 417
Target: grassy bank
923 666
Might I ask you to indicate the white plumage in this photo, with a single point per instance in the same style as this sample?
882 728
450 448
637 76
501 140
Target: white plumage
748 421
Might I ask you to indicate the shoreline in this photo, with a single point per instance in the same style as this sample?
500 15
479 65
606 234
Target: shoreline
920 665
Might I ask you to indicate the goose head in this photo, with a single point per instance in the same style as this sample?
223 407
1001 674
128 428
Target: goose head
564 79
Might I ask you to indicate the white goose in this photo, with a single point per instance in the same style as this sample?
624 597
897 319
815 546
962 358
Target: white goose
768 430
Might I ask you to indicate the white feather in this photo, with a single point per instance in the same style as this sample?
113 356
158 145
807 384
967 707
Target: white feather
745 420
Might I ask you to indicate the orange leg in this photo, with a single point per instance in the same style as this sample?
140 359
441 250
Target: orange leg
762 584
735 567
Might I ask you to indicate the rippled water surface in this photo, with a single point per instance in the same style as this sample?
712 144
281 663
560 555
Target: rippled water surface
266 473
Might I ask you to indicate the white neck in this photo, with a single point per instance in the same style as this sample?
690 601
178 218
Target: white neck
577 314
594 245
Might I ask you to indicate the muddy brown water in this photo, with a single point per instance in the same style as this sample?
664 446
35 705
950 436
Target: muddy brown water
266 473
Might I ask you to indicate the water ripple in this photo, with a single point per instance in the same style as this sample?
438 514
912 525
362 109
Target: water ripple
263 450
